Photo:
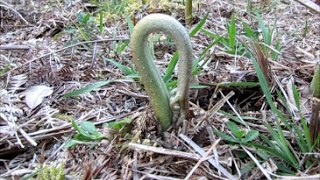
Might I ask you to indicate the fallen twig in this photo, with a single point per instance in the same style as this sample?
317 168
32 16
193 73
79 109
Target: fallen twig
309 4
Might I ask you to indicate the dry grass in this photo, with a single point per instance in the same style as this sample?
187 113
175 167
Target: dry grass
32 137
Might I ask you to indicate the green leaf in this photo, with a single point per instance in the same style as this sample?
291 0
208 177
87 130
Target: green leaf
172 64
5 69
130 23
315 83
271 151
239 134
296 96
123 68
199 26
86 132
234 128
85 18
233 84
88 127
250 136
120 48
70 143
101 21
232 117
118 124
202 55
86 89
75 126
265 32
280 138
247 167
232 33
226 136
211 34
275 55
300 139
249 32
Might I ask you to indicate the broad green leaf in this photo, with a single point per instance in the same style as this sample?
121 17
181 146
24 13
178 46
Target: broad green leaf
250 136
227 137
118 124
88 127
75 126
233 127
240 133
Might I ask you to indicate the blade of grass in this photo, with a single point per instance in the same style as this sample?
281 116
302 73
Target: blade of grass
265 32
173 62
202 55
198 27
101 21
86 89
249 32
123 68
232 33
130 23
265 89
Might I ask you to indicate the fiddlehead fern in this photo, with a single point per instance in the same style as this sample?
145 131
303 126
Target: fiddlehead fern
164 108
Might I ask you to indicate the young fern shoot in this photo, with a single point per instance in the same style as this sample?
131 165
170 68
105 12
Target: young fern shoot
166 108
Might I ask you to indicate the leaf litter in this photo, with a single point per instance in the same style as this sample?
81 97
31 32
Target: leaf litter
31 138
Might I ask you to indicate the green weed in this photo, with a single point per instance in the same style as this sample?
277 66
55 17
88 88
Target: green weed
45 172
239 136
86 133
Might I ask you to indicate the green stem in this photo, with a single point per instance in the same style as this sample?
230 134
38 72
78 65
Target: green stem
315 115
315 83
150 76
188 12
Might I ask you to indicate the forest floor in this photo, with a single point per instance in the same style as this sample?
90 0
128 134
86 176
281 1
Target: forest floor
49 48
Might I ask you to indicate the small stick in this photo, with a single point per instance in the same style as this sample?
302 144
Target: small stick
202 153
309 4
204 158
170 152
10 47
